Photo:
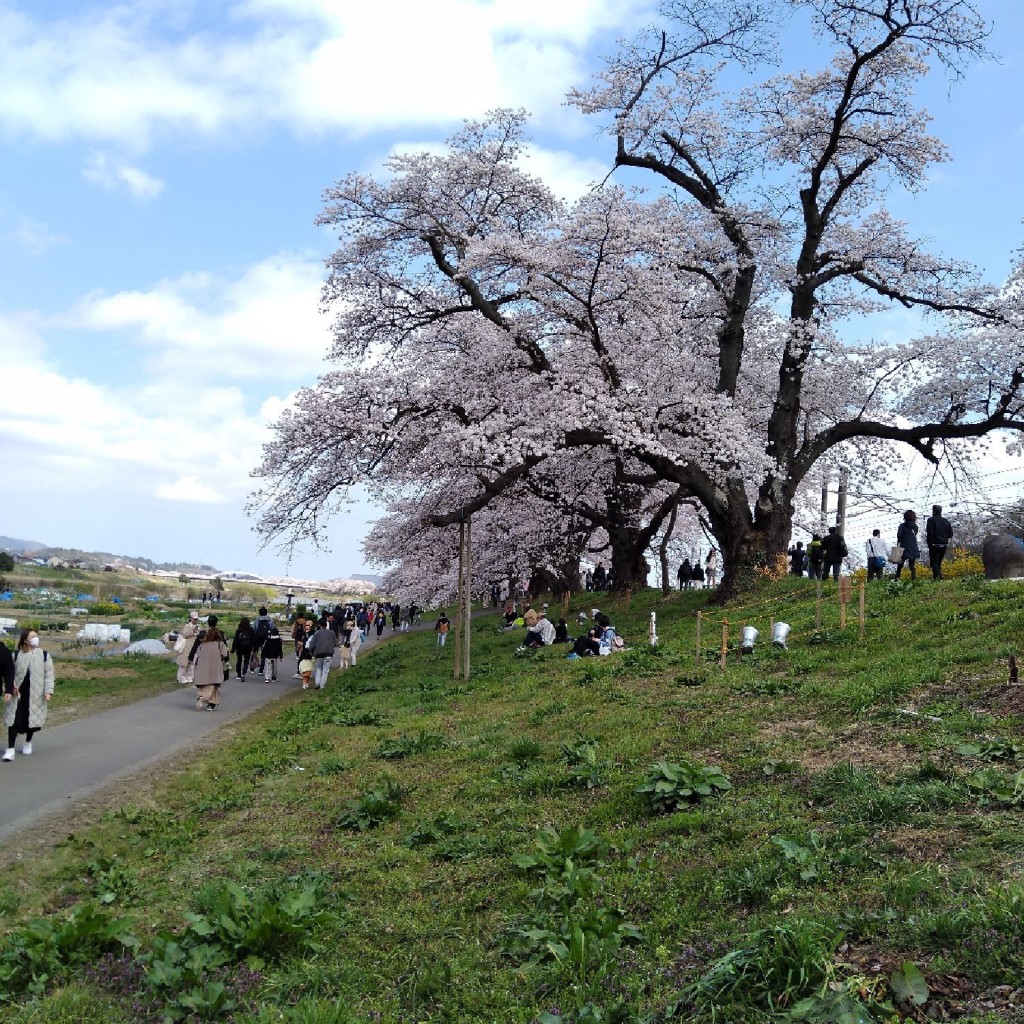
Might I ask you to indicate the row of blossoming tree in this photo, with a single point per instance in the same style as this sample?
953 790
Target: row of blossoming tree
693 334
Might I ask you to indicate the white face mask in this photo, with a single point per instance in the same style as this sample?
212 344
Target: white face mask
33 641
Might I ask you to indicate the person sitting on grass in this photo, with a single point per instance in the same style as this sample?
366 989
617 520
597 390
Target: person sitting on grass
542 634
562 633
585 646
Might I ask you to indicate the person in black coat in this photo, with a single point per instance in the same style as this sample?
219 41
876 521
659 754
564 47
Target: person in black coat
834 547
937 533
6 669
242 644
273 652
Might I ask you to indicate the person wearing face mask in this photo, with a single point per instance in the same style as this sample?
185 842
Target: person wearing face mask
28 693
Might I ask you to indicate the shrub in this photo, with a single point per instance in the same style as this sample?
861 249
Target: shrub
373 807
669 785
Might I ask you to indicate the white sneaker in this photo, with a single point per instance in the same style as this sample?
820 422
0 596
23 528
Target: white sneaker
8 754
26 748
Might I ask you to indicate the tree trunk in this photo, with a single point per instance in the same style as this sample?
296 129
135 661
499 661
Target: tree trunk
747 544
629 567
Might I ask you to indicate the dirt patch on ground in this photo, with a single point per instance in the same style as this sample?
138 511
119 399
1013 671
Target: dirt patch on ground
922 845
84 670
857 745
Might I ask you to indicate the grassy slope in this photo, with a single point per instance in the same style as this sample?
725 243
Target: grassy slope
901 860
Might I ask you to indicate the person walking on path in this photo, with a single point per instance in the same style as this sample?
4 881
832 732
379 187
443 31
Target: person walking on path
441 628
273 652
379 622
28 694
322 644
877 551
906 538
183 647
261 630
350 641
242 644
835 550
937 533
209 654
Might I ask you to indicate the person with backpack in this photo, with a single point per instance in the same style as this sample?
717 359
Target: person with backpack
27 692
261 628
815 557
272 653
834 547
441 627
242 644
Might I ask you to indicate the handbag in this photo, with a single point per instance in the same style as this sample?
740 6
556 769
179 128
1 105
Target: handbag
896 555
179 645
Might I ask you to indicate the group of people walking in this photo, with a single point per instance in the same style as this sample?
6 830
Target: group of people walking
693 575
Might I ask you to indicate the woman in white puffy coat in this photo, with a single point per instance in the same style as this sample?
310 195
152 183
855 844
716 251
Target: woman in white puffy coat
26 700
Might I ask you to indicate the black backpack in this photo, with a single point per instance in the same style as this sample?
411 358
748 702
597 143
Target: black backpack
262 630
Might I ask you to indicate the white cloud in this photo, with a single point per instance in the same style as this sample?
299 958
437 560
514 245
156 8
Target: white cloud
112 174
34 235
566 174
188 488
121 72
263 323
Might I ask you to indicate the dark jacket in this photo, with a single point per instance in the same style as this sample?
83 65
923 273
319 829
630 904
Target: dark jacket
6 669
322 643
272 647
834 547
906 537
937 532
244 639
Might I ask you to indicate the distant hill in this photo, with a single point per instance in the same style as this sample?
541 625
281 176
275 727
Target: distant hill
368 577
14 544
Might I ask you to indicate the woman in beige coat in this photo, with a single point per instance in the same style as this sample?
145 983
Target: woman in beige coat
26 699
210 653
188 634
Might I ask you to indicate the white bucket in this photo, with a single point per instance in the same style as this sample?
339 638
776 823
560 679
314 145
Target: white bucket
750 635
779 634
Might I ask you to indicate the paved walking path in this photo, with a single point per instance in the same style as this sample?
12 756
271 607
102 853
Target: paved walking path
75 760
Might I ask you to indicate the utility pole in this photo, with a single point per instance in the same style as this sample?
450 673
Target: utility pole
824 505
844 487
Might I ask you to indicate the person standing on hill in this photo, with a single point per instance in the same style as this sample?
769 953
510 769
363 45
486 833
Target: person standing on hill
441 627
797 559
834 547
906 538
876 551
697 574
711 567
683 575
937 533
815 557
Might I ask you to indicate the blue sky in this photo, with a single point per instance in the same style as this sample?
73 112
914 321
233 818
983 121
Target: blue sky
163 165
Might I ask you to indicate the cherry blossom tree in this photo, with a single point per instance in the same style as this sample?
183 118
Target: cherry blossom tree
708 339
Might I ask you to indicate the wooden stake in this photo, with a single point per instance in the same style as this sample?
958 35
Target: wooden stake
725 642
817 606
469 590
696 658
860 602
458 604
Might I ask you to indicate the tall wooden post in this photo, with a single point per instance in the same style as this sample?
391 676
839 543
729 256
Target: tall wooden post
467 596
861 603
458 602
817 605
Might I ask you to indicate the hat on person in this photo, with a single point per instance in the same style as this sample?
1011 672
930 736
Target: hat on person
193 614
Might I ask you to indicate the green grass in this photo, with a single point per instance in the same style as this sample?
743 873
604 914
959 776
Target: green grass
848 845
